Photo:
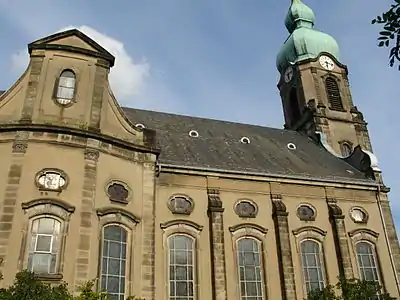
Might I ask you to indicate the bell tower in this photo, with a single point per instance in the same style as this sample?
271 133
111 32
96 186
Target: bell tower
314 85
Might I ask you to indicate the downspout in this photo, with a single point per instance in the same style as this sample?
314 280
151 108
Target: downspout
387 239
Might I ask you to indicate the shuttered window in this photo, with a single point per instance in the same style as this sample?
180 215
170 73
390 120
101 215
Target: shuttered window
333 93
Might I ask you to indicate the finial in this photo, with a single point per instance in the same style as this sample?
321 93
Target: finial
299 15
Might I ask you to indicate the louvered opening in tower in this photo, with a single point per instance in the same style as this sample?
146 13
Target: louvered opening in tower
333 93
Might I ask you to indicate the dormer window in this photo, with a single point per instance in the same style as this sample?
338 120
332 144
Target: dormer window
333 94
65 92
346 148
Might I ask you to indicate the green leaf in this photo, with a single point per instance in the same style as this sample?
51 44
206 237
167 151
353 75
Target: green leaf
386 33
391 61
387 43
381 44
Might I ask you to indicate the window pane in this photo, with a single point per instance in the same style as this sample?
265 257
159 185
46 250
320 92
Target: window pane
41 263
35 226
46 225
43 243
367 262
65 93
114 261
313 270
181 268
249 269
67 82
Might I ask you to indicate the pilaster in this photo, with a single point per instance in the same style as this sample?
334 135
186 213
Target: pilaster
340 237
86 216
10 199
215 214
148 232
393 243
286 270
32 90
100 80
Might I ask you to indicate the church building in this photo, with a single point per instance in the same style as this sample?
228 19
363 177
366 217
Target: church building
172 207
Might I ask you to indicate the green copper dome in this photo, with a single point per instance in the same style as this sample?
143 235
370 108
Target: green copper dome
304 42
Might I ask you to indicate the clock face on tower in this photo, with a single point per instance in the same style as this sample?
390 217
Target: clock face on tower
326 62
288 75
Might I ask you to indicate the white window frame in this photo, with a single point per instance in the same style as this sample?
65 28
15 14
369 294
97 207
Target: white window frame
50 252
258 234
316 235
192 265
193 230
260 268
102 256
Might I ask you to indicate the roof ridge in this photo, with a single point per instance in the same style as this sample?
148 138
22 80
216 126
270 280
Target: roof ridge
209 119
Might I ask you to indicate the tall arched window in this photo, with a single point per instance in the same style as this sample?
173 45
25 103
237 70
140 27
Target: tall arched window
113 263
44 245
312 265
66 87
333 94
250 272
181 267
367 262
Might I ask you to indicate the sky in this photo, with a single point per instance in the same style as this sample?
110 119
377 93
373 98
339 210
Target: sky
215 59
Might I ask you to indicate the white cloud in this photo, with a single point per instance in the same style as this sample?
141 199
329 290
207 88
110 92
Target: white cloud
126 77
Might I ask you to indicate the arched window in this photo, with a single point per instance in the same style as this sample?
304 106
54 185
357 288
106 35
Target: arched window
44 245
312 265
249 269
66 87
294 110
333 94
367 263
113 263
181 266
346 149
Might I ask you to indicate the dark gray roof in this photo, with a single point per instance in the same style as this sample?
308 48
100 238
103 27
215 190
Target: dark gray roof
218 146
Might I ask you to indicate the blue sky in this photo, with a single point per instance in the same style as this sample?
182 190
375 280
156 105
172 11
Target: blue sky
215 58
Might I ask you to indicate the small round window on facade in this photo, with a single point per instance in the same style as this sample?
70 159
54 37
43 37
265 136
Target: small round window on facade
306 213
193 133
180 205
358 215
291 146
139 125
246 209
245 140
118 192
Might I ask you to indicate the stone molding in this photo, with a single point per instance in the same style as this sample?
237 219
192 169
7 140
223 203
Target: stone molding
214 201
116 215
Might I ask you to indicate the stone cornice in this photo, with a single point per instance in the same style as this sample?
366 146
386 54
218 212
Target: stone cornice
262 177
45 44
82 133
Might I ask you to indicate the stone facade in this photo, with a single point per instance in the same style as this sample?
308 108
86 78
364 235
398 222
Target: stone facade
58 161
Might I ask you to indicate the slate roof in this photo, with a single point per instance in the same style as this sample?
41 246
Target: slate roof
218 146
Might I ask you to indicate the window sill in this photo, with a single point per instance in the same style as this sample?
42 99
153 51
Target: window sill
337 109
49 277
